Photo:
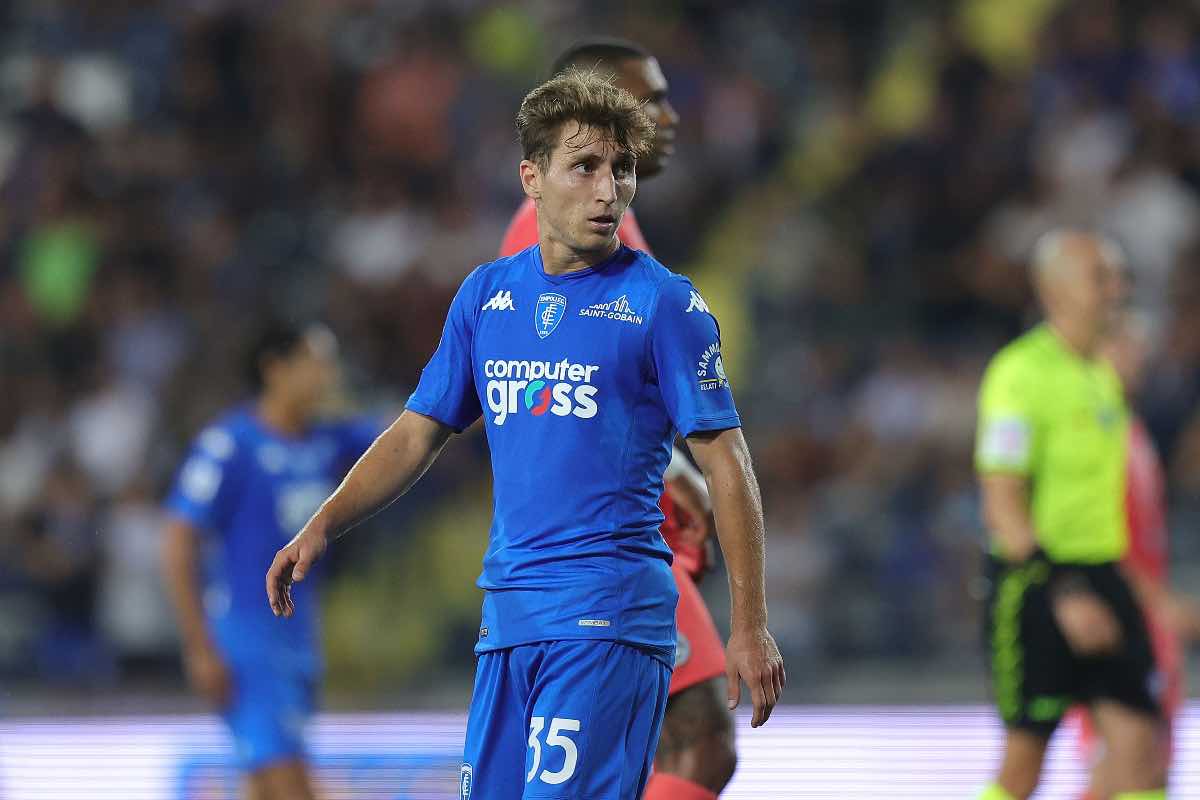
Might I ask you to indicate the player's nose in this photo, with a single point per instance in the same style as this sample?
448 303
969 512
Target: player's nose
606 186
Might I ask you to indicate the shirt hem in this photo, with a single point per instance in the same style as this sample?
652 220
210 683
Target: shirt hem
664 653
722 423
434 414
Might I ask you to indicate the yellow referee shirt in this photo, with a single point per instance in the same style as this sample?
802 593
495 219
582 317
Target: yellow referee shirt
1060 420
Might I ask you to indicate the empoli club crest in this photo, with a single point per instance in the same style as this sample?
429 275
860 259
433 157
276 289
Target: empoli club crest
551 307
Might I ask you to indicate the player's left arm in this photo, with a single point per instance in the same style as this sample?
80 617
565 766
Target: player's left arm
685 347
752 654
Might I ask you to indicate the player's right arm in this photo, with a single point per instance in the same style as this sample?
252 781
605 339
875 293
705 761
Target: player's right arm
205 667
389 468
1004 450
445 402
200 505
1006 514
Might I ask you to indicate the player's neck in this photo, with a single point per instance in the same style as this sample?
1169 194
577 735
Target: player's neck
559 259
1080 339
279 416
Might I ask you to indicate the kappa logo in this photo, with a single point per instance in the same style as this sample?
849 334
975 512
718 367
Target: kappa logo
466 781
696 303
551 307
618 309
502 301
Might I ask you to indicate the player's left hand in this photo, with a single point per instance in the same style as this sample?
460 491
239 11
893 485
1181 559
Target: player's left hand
290 566
752 656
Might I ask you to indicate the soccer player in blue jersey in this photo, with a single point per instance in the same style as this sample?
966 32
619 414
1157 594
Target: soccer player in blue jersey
584 358
250 482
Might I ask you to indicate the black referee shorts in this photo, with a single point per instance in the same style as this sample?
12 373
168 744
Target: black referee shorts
1035 676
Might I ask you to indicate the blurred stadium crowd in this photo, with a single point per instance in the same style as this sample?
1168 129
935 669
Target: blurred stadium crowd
856 189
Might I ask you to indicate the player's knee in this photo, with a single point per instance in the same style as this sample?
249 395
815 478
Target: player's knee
709 761
721 756
697 741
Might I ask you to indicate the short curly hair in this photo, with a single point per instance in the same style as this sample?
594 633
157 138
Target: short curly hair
589 98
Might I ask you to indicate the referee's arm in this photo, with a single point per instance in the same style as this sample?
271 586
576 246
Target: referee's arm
1004 459
1006 512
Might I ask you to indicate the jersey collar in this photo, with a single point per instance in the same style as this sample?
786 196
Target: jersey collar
539 268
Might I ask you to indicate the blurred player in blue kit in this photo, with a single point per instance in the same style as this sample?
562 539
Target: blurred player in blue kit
584 358
250 482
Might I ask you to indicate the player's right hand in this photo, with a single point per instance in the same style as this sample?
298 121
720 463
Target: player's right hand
1087 623
290 566
209 675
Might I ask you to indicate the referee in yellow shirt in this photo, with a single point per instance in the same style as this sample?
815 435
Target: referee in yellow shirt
1062 623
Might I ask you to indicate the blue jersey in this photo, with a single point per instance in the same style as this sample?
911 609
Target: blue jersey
582 380
249 489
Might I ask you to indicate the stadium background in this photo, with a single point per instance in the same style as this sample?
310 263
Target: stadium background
856 188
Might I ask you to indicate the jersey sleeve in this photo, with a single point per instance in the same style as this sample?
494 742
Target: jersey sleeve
1004 439
685 350
203 493
446 391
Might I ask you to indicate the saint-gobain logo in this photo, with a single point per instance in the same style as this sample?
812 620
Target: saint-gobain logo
466 778
551 307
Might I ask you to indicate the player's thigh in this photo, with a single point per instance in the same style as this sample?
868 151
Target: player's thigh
1034 675
268 714
697 735
595 714
699 653
493 765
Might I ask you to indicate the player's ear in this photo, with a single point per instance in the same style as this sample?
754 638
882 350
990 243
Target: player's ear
531 179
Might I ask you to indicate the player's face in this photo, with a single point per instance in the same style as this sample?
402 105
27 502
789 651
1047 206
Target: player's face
644 79
584 189
308 374
1084 288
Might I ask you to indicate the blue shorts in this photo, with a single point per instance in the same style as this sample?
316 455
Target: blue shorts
565 719
267 714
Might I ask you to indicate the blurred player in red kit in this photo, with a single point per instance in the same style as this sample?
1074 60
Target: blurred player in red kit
1172 619
696 756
